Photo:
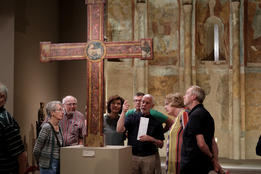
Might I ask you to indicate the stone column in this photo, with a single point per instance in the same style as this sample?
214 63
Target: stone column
187 9
140 74
236 129
242 85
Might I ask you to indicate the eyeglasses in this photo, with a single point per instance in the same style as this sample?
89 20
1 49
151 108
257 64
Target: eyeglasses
59 110
2 96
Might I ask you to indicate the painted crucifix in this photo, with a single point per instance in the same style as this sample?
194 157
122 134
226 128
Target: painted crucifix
94 51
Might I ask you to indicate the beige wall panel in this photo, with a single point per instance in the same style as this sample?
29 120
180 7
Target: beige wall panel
162 81
119 74
119 80
253 104
35 82
163 27
253 32
119 27
72 74
251 141
7 33
214 80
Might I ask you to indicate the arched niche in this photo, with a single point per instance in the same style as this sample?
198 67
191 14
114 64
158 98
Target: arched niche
209 39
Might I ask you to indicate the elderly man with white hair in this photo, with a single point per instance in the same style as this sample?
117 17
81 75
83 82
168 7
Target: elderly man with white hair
73 122
144 146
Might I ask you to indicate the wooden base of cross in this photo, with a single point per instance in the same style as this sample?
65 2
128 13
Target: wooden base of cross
94 51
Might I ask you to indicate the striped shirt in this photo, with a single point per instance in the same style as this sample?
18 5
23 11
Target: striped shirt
11 145
73 128
174 143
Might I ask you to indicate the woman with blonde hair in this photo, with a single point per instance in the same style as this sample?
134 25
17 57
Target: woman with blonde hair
174 106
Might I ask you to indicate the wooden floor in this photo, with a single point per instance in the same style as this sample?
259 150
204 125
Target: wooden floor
235 166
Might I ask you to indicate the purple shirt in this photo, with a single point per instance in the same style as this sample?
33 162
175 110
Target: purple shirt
73 128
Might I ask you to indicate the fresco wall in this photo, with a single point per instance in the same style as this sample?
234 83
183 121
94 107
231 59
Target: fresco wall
164 26
253 108
212 76
253 74
214 79
253 31
119 73
203 18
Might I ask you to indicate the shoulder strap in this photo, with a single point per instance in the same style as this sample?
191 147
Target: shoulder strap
60 145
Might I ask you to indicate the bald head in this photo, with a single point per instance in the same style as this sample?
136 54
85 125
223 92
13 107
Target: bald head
69 98
147 103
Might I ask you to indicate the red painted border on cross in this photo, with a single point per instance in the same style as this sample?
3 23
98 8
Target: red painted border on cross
94 51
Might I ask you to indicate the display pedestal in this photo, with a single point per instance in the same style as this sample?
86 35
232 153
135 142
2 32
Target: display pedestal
96 160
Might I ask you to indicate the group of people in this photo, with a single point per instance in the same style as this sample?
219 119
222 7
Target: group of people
191 147
63 126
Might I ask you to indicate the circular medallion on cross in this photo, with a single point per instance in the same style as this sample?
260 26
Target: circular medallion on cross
95 50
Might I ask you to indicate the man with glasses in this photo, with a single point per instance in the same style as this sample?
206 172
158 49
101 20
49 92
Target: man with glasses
73 122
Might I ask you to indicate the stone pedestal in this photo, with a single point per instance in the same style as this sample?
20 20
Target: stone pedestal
96 160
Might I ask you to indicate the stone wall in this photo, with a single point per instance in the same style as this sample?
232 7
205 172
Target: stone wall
165 24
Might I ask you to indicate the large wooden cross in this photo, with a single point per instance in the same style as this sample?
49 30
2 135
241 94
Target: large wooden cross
94 51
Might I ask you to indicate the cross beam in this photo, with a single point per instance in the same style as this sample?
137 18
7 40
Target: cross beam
94 51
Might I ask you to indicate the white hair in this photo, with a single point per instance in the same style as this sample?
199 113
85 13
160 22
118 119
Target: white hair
51 106
65 99
3 89
150 96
